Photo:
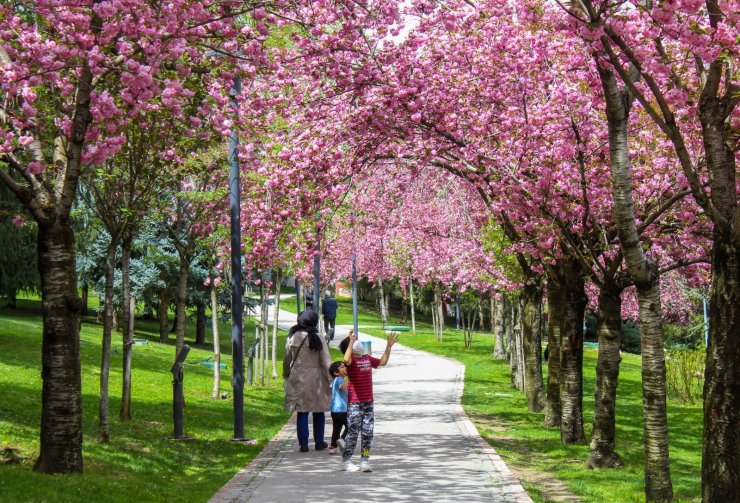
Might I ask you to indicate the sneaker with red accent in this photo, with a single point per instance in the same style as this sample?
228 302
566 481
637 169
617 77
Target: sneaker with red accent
332 450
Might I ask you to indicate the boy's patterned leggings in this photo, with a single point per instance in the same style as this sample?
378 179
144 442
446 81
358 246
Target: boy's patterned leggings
360 418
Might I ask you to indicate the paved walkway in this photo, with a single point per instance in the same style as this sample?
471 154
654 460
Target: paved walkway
425 449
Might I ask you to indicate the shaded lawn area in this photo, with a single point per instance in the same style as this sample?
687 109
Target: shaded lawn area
500 414
140 463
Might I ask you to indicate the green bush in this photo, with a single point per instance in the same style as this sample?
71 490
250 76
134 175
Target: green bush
685 374
631 338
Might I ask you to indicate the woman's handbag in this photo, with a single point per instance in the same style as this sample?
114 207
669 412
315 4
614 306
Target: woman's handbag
286 373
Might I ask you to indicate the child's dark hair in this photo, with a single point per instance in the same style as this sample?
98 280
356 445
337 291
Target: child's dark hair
334 368
343 345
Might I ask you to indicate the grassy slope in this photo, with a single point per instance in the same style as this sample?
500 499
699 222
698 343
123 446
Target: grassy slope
140 463
500 413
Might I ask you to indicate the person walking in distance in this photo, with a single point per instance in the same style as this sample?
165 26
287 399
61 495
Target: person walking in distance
329 310
360 412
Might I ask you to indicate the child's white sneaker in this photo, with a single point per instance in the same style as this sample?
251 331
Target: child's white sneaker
340 444
348 466
365 465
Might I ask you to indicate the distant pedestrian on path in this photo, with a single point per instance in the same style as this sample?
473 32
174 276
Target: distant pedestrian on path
338 406
361 415
329 310
307 378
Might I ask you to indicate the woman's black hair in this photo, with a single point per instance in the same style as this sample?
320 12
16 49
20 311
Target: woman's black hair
343 345
308 321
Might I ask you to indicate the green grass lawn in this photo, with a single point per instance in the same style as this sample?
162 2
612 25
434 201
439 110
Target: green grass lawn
501 416
140 463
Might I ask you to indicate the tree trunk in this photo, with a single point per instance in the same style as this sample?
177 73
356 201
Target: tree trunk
381 298
609 318
200 323
721 450
515 356
216 392
103 406
182 297
61 392
645 275
574 298
531 318
162 315
497 322
412 306
404 306
85 297
555 316
128 332
440 309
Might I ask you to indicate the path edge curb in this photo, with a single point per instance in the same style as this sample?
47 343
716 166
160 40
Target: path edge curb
512 487
251 476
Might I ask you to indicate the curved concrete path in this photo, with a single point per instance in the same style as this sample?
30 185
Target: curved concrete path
425 448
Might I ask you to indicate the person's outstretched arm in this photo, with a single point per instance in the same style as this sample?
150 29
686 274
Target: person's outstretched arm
348 352
392 338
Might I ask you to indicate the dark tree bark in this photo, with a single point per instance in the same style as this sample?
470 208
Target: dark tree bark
200 323
128 332
574 302
85 297
555 315
534 386
602 452
61 394
182 297
721 451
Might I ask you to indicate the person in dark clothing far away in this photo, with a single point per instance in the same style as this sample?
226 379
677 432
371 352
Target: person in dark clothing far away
329 310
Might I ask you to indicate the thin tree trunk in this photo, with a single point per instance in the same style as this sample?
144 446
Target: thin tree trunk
162 315
440 309
497 325
85 297
603 439
412 306
216 392
515 360
555 316
404 306
383 307
571 353
200 323
182 297
61 392
103 406
644 273
531 321
128 332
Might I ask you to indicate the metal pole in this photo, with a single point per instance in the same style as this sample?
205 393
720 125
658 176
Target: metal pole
237 349
457 311
354 292
316 273
706 322
298 296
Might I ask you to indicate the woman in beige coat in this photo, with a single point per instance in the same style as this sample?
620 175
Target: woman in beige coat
307 378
